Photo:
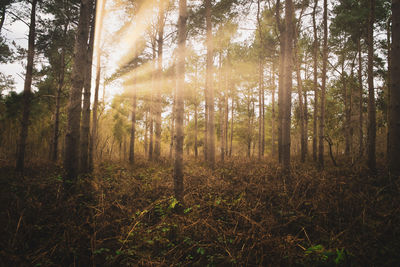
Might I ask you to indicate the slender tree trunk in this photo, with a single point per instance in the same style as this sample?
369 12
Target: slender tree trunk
394 124
371 161
360 101
27 94
85 126
261 88
315 85
180 85
152 106
273 116
287 88
389 83
303 141
210 88
160 43
196 153
146 130
133 128
71 162
56 134
305 122
323 87
232 110
226 119
172 125
93 136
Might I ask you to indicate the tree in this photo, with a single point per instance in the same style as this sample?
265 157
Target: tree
394 123
209 87
180 72
287 87
27 91
323 86
371 139
85 127
71 162
98 34
315 82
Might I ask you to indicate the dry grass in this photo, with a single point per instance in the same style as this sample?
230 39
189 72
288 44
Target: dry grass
240 214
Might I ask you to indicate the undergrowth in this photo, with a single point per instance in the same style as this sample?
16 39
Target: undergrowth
240 214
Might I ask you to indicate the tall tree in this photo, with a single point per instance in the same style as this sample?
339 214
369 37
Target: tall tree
160 43
394 123
287 87
323 86
27 94
371 138
315 82
87 86
180 72
71 160
209 85
98 34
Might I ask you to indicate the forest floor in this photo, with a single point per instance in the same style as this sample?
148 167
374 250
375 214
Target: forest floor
240 214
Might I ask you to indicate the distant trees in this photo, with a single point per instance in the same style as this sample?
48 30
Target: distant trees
229 86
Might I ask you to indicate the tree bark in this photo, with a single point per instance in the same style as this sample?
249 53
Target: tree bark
323 87
394 124
287 88
273 116
98 35
61 76
133 126
160 43
27 94
210 88
360 101
71 161
180 87
371 140
303 140
315 83
85 126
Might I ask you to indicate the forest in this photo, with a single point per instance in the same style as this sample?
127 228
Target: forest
200 132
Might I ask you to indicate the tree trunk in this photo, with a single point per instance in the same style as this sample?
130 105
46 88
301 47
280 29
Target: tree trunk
27 94
388 83
371 141
133 127
394 124
232 109
303 140
273 147
196 153
287 88
210 88
180 87
261 88
93 136
360 101
85 126
152 106
323 87
315 84
71 162
160 43
56 134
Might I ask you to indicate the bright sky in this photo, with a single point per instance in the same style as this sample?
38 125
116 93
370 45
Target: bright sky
18 32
